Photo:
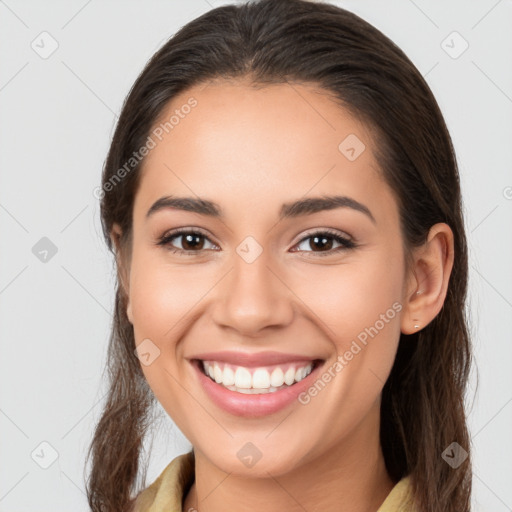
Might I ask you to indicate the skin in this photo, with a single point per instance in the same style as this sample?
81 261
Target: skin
250 150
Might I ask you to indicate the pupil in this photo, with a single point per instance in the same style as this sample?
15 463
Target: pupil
323 241
188 239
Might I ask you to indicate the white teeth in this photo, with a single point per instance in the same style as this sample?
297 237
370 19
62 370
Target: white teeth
228 378
289 376
242 377
253 391
217 374
277 378
260 381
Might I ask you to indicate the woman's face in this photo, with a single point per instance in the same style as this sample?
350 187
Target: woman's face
262 276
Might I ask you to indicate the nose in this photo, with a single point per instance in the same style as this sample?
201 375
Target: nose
253 297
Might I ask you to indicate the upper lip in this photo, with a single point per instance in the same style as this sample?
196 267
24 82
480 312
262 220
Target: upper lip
252 360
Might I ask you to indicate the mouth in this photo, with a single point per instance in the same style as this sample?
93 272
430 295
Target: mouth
255 391
259 380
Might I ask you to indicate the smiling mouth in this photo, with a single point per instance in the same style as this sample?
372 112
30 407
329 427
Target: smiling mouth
257 380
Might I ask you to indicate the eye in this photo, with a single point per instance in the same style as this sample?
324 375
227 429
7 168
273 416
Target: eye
192 241
324 241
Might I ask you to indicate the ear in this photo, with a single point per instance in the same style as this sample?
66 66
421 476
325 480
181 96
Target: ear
428 279
122 270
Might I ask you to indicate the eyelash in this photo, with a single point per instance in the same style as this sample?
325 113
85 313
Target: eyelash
346 243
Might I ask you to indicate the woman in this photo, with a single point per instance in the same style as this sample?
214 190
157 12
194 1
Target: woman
282 198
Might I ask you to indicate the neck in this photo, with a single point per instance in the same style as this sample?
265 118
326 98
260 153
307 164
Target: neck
350 476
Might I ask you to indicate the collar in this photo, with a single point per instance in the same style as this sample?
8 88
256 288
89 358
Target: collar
168 491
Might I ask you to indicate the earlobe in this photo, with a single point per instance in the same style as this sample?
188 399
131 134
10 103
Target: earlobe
428 279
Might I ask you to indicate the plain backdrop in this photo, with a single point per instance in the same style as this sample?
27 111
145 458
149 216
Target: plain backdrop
65 69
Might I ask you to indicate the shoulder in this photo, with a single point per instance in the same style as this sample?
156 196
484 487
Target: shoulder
167 491
400 499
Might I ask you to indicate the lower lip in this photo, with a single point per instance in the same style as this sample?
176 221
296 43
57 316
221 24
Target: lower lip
253 406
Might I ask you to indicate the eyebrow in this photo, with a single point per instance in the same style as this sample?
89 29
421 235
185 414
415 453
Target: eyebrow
288 210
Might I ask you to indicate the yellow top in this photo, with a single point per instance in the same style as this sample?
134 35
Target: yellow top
167 492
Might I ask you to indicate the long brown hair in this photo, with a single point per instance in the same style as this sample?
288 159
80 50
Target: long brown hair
270 41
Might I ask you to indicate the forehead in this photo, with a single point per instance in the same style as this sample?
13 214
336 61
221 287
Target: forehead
251 146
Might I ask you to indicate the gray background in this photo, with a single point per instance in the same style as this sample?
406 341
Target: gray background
57 117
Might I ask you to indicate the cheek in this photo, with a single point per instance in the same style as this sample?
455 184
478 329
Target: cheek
162 300
358 306
348 298
161 296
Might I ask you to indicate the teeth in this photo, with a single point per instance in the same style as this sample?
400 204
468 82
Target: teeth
228 378
260 381
217 374
277 378
289 376
242 377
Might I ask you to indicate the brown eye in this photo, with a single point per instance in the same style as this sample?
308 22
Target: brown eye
322 243
191 241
